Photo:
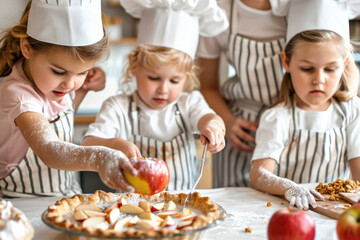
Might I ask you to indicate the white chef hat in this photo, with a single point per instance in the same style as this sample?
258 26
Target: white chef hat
305 15
176 24
66 22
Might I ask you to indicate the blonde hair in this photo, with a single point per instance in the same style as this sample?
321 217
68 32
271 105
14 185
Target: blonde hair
10 51
150 57
344 92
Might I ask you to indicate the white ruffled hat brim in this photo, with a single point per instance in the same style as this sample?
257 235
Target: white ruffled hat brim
176 24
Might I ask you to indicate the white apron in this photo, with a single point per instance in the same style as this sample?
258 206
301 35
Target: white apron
312 156
257 82
179 153
33 178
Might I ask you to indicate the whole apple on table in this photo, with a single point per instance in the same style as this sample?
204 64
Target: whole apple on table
153 176
291 223
348 224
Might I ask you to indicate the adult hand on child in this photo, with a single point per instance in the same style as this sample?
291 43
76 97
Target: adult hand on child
238 134
302 197
95 80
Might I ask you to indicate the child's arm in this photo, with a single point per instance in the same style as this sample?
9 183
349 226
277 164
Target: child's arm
355 168
128 148
262 178
57 154
95 81
212 128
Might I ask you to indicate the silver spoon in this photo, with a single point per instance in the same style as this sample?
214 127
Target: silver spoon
201 168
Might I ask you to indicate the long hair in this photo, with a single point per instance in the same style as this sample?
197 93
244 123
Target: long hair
344 92
150 57
10 51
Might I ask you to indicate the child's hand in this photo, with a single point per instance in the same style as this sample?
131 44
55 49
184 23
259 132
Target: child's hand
111 169
302 197
128 148
213 132
95 80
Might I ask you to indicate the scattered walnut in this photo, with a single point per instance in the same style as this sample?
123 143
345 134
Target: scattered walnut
282 203
248 229
336 187
269 204
347 205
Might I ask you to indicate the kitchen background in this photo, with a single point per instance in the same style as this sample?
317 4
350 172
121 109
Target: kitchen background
122 33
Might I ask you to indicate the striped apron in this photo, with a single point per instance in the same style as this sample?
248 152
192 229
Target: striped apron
257 82
33 178
179 153
312 156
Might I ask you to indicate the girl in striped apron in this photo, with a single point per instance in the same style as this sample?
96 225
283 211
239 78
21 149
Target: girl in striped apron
44 66
311 134
159 118
179 153
253 44
33 178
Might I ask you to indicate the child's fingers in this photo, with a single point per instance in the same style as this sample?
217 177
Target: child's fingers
115 180
317 195
123 184
126 166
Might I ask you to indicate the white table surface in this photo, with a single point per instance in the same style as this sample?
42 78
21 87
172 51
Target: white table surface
245 207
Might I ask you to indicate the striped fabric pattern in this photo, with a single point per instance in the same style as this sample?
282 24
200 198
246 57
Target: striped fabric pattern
314 156
258 78
178 153
33 178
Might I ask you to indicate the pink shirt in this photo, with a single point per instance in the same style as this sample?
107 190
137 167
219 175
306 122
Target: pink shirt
17 95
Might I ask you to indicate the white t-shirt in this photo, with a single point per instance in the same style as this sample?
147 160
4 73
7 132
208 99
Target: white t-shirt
113 120
17 95
260 25
272 134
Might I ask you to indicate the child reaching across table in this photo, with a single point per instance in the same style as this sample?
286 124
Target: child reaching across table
159 118
45 59
311 133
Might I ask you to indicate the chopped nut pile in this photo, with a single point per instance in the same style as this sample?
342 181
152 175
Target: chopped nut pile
337 187
249 229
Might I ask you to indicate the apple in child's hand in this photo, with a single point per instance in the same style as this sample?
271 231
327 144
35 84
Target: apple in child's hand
291 223
153 176
348 224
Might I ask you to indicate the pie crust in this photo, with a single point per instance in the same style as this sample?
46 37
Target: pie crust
13 223
154 220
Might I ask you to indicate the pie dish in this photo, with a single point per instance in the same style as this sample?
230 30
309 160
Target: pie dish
13 223
133 216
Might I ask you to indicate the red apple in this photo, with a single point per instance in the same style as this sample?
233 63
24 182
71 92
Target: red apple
348 224
153 176
291 223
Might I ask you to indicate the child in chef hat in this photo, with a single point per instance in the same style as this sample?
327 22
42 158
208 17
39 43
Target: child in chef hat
310 135
45 60
159 118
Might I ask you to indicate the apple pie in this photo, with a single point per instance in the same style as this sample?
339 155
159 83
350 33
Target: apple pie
13 223
123 215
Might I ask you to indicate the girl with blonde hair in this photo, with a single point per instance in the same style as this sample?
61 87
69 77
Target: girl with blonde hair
159 118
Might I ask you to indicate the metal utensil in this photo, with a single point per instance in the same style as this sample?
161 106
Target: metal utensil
201 168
